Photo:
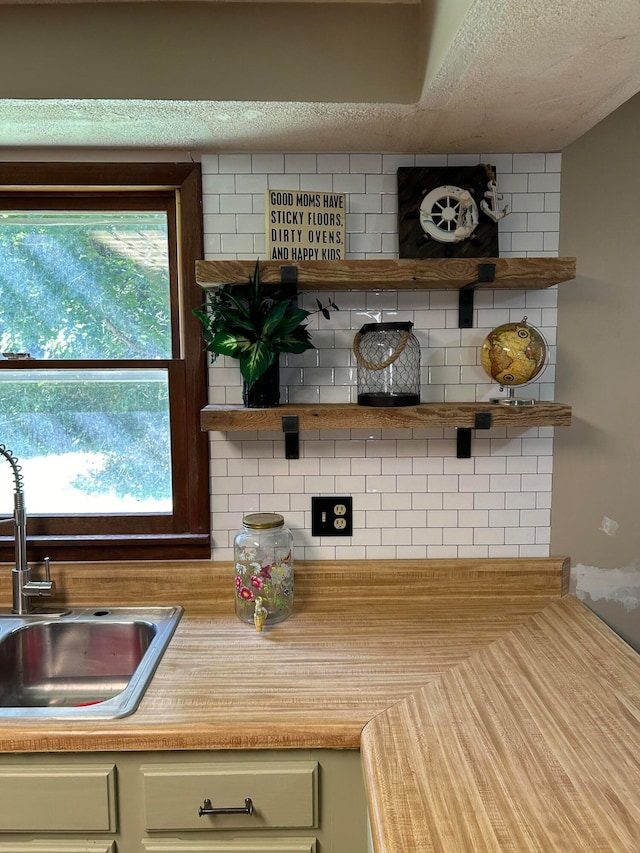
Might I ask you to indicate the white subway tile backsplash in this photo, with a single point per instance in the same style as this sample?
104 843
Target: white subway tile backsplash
488 536
545 183
212 184
457 500
300 163
234 164
475 482
536 482
364 203
522 465
365 163
526 202
368 467
553 161
381 184
361 243
395 465
552 201
520 500
501 162
333 163
397 501
427 536
529 162
236 203
512 183
249 223
391 162
220 223
432 160
442 552
457 536
489 500
442 483
349 183
262 163
209 165
543 221
551 241
427 501
504 518
381 484
412 497
463 159
520 536
237 244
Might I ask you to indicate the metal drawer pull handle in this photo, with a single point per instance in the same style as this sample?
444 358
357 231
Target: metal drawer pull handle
206 808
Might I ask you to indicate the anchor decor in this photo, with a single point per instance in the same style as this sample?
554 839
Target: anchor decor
492 209
449 218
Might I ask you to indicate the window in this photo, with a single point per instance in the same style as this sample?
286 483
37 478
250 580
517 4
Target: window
103 372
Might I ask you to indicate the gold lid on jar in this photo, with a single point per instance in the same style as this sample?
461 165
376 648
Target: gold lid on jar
263 520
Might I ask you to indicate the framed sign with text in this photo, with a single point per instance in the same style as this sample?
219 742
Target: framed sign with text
305 226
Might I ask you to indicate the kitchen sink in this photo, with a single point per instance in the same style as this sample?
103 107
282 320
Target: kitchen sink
88 663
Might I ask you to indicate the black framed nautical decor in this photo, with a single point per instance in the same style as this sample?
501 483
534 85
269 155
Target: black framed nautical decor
448 211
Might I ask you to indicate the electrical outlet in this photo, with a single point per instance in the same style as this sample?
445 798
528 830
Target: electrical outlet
332 516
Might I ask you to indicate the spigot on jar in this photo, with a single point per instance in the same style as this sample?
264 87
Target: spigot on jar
259 614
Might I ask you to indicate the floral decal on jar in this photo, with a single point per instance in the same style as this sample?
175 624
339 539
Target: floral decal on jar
272 581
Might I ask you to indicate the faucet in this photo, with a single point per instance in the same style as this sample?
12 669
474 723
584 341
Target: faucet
23 587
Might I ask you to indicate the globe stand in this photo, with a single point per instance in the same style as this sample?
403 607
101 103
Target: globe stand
511 399
513 355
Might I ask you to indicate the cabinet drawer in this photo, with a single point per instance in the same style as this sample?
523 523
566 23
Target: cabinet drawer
58 798
284 794
251 845
63 846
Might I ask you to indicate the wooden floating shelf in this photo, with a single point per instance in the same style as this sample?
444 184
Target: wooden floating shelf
353 416
400 274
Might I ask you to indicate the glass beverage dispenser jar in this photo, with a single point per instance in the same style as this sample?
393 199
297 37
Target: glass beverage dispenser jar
263 551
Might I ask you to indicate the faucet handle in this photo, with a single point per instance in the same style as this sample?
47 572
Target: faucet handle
39 588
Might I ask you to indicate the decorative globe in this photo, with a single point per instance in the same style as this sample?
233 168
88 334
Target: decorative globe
514 353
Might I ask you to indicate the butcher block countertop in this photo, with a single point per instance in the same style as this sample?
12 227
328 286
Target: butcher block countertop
492 713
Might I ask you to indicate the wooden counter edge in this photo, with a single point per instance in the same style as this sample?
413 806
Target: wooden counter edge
621 658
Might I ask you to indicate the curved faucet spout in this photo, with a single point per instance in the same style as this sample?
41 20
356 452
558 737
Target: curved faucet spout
23 587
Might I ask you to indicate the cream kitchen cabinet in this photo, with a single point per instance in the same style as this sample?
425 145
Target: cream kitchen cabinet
303 801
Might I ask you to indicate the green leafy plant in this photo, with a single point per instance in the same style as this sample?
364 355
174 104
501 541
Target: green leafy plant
255 323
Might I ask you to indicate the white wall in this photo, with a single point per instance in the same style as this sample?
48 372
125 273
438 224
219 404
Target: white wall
412 498
596 507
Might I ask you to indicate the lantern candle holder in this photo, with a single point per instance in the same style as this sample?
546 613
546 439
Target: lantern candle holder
388 359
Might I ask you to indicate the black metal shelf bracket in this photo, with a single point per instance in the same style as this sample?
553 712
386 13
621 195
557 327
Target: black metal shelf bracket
291 430
289 281
486 275
482 420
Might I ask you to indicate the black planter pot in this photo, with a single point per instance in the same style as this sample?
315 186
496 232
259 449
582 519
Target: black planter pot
265 391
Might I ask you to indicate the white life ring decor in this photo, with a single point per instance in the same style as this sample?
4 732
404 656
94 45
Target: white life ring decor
449 214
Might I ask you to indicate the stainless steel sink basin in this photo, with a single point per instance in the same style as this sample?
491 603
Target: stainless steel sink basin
89 663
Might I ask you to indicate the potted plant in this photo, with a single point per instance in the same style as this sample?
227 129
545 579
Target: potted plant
255 323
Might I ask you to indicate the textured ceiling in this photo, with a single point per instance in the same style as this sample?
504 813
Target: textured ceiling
476 75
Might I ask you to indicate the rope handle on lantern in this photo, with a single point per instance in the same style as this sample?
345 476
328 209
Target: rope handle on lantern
370 365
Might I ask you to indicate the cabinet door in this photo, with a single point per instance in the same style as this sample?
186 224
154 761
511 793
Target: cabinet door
284 794
58 798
